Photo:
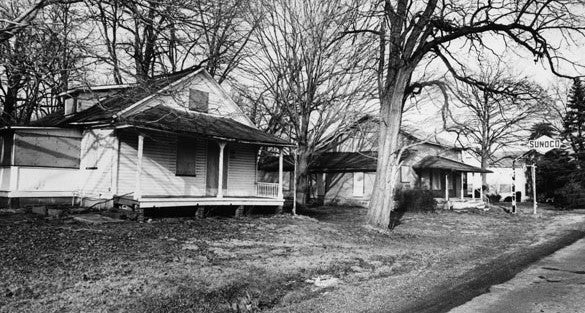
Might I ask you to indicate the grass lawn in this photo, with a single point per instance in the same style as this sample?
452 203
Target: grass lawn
250 264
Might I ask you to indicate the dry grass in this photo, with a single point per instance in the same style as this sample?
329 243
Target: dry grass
226 265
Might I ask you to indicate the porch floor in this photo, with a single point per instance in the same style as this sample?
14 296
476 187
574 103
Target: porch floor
151 201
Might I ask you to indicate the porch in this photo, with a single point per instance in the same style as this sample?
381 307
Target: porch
161 169
446 178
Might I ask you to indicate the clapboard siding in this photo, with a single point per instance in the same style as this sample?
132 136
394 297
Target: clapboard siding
158 167
159 163
97 157
127 163
241 170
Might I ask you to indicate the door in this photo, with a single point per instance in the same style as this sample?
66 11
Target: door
213 168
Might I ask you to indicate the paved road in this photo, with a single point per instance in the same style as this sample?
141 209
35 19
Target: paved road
554 284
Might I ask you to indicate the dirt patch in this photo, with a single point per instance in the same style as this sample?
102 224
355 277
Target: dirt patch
280 263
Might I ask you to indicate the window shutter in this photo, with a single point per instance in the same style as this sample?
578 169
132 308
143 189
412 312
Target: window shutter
198 100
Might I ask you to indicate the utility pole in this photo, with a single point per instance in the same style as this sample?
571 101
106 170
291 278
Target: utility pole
514 186
534 203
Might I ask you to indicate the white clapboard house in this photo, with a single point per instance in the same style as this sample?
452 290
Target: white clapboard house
160 144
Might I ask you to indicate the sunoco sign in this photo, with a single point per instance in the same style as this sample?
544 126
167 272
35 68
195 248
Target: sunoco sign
544 144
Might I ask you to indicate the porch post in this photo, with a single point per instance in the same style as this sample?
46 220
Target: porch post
280 173
220 178
137 190
473 186
480 188
462 190
447 186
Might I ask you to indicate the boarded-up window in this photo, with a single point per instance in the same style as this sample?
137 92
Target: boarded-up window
186 154
44 148
358 184
6 148
198 100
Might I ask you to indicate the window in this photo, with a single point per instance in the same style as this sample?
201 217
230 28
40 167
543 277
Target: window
505 188
358 184
198 100
404 174
186 154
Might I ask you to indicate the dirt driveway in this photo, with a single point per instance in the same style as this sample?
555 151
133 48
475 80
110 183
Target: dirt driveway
324 262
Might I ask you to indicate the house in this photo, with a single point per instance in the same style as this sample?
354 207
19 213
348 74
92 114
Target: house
499 179
348 176
156 145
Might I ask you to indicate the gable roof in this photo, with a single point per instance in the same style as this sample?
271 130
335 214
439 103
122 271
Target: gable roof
369 123
160 117
186 122
437 162
340 162
104 110
332 162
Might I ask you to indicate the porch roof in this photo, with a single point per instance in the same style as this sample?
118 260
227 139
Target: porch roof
437 162
184 122
328 162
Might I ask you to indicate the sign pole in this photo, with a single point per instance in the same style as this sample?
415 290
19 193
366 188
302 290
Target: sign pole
514 186
534 204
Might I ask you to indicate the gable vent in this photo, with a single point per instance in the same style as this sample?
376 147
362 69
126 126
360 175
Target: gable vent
198 100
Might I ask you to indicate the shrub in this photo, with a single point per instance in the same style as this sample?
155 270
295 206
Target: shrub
570 196
415 200
493 198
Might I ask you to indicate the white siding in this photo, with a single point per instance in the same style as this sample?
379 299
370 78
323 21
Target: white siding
5 177
33 179
159 163
158 171
241 170
127 163
98 147
358 184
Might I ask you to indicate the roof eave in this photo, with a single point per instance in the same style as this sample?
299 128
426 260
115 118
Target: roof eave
252 142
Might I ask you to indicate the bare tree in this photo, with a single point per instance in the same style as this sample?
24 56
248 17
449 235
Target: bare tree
11 26
38 62
409 32
305 81
219 35
166 36
494 114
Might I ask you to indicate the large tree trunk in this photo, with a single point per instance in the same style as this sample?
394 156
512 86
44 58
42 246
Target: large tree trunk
302 176
484 165
391 103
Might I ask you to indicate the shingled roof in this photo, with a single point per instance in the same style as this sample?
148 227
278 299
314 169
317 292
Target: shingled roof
339 162
161 117
329 162
105 109
187 122
437 162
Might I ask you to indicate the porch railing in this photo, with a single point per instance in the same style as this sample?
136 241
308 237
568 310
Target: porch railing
267 190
